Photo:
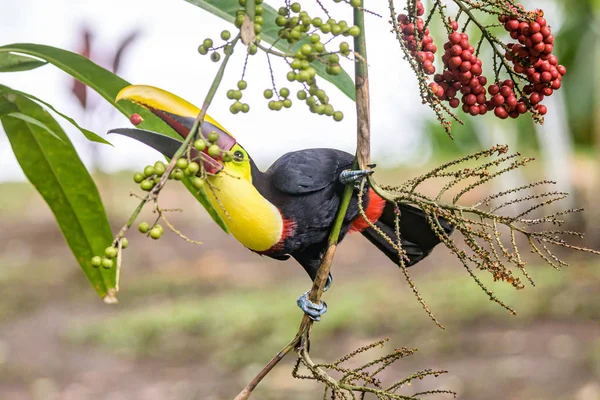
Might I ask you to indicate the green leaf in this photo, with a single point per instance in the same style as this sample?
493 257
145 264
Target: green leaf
52 165
226 9
13 62
108 85
29 120
91 136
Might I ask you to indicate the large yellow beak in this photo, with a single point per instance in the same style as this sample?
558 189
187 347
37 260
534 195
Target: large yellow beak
178 113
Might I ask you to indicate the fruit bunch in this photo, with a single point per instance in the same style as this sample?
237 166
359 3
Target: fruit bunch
462 74
110 253
504 101
418 40
533 57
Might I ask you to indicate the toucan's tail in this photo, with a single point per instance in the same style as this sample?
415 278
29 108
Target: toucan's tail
417 237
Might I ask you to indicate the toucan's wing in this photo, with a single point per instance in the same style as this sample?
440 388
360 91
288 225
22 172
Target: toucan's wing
309 170
167 145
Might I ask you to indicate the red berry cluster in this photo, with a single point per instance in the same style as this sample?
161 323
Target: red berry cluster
504 101
462 73
533 57
424 49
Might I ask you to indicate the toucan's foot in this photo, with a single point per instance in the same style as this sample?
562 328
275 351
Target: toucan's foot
313 310
353 176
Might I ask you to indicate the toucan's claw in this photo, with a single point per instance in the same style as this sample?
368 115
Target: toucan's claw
328 283
353 176
313 310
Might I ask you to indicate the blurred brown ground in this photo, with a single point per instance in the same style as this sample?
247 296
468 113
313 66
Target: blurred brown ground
197 322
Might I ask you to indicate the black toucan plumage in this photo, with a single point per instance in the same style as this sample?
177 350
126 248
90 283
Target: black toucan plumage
289 209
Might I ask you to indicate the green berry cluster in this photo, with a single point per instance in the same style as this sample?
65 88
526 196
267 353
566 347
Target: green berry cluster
236 94
155 232
283 100
150 176
110 253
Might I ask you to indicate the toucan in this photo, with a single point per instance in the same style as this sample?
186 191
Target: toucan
289 209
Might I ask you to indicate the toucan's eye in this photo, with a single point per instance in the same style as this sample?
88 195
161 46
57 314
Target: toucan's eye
238 156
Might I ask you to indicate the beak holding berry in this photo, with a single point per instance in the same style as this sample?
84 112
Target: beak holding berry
214 144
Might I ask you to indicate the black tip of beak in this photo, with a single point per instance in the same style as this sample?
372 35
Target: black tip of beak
166 145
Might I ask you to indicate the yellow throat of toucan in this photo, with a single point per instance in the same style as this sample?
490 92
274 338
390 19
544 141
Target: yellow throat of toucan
251 218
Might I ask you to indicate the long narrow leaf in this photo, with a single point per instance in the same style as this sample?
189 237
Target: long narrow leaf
108 86
31 121
52 165
91 136
13 62
226 9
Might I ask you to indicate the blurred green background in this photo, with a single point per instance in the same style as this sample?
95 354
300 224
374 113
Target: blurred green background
197 322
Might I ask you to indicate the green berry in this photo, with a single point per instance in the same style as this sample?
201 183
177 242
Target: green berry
306 49
160 227
252 49
345 48
237 107
295 7
192 169
301 95
355 3
182 163
197 182
215 56
239 21
291 76
317 22
325 28
329 110
212 137
296 64
111 252
338 116
147 185
225 35
282 11
226 156
319 47
314 38
138 177
354 31
333 59
257 28
96 261
156 233
178 174
268 94
230 94
259 10
336 29
242 3
207 43
149 170
200 145
202 50
144 227
214 150
124 243
242 85
287 103
281 20
107 263
311 101
245 108
284 92
335 70
159 168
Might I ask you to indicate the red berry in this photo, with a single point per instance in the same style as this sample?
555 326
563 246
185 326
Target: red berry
500 112
136 119
493 89
454 38
542 109
454 102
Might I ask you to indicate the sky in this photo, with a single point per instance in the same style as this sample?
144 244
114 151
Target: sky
166 56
